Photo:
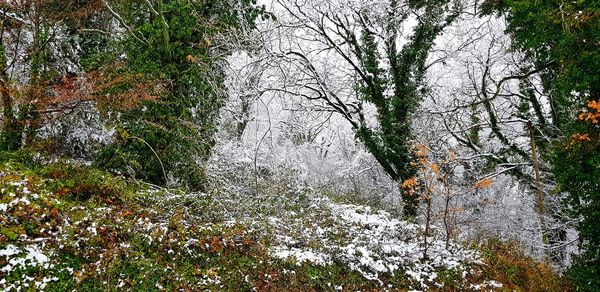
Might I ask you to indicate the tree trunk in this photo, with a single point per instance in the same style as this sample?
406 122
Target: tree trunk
10 138
538 185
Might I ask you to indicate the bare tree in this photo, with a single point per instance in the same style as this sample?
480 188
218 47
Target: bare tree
351 61
495 108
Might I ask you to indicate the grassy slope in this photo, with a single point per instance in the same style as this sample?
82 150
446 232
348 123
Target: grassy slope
65 227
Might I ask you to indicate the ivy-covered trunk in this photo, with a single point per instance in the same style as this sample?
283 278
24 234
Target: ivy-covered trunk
391 142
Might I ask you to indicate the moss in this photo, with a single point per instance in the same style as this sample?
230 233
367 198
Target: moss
12 233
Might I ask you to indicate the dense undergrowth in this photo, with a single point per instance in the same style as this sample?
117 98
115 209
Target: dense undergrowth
67 226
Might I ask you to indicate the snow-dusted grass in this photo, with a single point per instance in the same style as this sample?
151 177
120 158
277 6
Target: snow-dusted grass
310 228
99 233
94 236
370 242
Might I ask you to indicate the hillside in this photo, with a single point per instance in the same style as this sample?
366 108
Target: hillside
68 227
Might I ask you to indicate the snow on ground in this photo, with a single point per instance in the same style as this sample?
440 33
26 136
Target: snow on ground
305 227
302 227
31 257
368 241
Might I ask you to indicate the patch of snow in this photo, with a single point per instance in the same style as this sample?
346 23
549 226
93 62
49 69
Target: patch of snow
301 255
9 251
33 258
369 242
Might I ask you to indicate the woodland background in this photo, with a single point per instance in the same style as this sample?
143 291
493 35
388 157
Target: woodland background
473 120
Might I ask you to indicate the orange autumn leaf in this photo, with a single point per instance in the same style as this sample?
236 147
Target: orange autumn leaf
581 137
191 59
435 168
215 245
589 117
456 210
409 183
593 114
483 183
422 151
594 105
453 155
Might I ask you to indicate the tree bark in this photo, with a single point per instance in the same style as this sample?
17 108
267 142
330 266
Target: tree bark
538 184
10 136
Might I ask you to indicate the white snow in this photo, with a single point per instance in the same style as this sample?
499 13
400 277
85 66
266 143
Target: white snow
33 257
9 250
369 242
301 255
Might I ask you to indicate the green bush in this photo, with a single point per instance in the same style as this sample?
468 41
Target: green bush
82 183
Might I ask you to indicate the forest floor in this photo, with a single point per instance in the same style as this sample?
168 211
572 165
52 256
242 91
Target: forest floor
72 227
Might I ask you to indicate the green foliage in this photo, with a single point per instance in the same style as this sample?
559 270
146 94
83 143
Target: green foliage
562 37
585 270
26 156
165 140
577 170
158 78
82 183
10 233
391 143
